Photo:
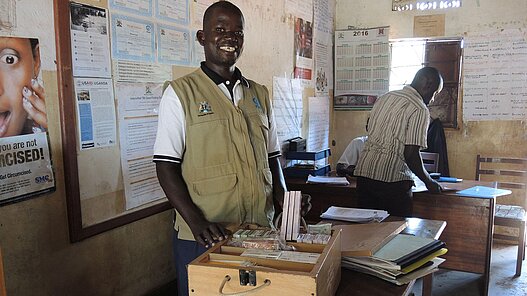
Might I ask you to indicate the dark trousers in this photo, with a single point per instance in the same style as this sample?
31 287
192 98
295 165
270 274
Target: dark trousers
393 197
184 252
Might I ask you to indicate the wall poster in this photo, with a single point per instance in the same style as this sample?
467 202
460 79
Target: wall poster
25 161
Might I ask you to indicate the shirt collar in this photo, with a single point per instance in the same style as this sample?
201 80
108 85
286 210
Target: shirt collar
416 95
219 80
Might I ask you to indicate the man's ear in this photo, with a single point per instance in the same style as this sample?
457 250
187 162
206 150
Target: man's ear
201 37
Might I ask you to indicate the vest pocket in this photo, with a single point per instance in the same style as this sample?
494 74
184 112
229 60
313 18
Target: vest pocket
259 126
218 198
211 142
215 185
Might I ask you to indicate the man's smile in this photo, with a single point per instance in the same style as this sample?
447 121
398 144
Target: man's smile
228 48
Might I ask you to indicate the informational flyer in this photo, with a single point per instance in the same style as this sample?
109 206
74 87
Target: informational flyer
95 112
132 39
25 162
173 45
137 106
362 62
128 71
318 113
173 11
323 49
287 107
494 75
90 41
139 7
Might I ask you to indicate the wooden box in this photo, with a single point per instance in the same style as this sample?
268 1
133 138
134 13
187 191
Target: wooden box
217 272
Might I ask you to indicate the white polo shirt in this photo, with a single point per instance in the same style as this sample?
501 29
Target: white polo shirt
352 152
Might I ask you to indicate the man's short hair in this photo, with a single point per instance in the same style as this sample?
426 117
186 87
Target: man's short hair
220 4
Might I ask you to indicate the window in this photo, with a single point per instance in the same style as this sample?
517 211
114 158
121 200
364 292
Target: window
410 55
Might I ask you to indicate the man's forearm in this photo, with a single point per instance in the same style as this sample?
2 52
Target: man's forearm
279 186
175 188
415 163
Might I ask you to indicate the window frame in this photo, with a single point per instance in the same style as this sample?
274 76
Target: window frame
446 106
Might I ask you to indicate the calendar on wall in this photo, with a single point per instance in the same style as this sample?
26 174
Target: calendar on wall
362 67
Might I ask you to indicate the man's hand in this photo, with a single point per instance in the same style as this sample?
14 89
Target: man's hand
433 186
208 233
344 170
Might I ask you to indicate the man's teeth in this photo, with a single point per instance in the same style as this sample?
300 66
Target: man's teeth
228 48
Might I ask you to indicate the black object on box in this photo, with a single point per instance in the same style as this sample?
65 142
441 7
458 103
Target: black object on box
297 144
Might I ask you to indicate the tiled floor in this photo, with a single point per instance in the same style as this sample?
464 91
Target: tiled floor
502 280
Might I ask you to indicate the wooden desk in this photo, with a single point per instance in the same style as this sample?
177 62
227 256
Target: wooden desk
470 220
356 283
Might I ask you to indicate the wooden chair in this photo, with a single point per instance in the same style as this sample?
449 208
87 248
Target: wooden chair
430 161
509 173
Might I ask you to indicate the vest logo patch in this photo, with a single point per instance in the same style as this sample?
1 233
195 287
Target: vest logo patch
204 109
257 103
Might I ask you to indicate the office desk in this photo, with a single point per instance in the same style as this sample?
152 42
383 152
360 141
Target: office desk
470 219
356 283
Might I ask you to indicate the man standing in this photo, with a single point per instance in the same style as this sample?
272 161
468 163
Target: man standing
396 132
216 150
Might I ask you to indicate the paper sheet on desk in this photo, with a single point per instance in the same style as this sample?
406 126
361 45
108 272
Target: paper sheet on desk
354 214
327 180
419 186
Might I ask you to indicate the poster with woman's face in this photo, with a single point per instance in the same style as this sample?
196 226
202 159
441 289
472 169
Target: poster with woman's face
22 102
25 165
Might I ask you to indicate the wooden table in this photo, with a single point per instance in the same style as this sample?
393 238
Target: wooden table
356 283
470 220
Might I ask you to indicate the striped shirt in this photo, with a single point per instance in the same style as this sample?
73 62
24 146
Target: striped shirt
398 118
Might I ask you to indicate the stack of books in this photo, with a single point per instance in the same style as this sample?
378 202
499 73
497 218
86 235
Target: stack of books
401 260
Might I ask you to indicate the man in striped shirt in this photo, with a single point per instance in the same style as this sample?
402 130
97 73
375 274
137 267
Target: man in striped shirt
397 131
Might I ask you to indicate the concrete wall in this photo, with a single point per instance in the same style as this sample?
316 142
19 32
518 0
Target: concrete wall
493 138
133 259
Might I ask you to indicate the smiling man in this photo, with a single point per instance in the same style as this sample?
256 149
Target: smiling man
216 150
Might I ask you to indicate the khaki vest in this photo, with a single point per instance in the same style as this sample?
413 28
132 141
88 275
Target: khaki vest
225 163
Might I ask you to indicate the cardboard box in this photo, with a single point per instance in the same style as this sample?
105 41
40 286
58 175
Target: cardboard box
219 270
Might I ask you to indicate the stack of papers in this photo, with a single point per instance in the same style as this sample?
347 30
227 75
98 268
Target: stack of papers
401 260
327 180
354 214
